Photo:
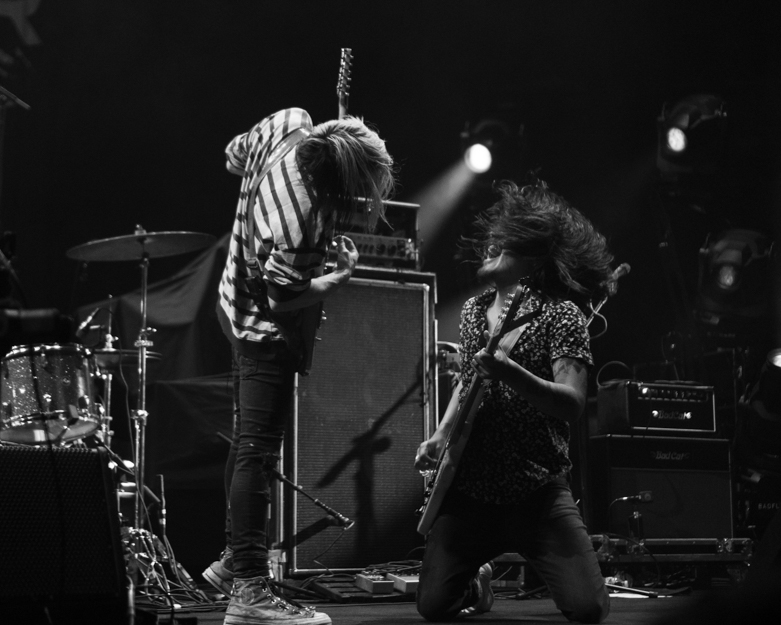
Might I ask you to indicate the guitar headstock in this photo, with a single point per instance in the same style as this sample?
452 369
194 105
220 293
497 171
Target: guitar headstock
510 307
343 86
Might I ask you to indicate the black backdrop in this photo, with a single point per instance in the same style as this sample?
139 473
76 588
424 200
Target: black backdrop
133 102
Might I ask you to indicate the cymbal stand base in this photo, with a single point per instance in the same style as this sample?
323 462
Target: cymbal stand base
159 580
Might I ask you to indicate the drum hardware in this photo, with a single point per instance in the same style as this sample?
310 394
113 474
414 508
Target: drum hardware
146 552
108 362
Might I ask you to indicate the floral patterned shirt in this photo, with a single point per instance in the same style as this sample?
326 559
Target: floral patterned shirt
514 448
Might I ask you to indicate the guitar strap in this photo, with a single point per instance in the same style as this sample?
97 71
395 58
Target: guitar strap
509 340
255 284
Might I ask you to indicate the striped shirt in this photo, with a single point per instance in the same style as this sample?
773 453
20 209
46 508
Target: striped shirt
291 234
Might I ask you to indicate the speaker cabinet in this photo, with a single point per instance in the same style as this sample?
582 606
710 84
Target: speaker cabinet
689 479
359 418
59 537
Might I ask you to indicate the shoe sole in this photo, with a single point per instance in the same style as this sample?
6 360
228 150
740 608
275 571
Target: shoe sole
224 586
318 619
487 600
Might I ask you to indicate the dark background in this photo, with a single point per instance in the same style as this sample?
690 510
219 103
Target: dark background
133 102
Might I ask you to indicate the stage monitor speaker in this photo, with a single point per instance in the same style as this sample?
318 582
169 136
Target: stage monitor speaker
689 480
361 413
62 558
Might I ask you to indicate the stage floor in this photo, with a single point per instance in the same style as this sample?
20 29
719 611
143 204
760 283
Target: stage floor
626 609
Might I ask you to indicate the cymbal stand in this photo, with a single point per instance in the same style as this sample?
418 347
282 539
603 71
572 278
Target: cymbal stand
140 414
148 554
142 544
108 377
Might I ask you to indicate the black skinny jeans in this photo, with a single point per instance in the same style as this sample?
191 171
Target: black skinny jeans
262 400
546 529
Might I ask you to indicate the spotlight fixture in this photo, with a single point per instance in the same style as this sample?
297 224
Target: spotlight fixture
691 135
478 158
676 140
734 277
765 397
487 146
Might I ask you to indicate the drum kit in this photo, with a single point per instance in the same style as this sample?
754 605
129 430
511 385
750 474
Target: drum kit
46 392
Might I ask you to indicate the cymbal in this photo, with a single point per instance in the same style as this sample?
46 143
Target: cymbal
140 245
111 358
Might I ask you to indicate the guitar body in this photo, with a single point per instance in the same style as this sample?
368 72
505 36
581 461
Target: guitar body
447 465
445 472
303 336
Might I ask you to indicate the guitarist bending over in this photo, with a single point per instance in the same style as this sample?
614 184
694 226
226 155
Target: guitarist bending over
510 491
299 185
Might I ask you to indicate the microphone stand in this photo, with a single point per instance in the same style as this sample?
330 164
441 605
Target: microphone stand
340 519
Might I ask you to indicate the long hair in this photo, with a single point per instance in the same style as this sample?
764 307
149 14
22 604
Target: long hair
348 167
534 221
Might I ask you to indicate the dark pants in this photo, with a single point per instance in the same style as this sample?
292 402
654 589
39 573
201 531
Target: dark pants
546 529
263 400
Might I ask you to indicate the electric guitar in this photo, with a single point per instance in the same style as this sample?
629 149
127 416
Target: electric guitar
445 470
300 327
311 317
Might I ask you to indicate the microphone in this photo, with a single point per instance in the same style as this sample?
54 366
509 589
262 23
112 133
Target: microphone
334 517
618 272
644 496
84 325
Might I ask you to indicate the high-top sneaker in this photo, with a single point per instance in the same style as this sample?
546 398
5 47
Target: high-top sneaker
254 603
220 572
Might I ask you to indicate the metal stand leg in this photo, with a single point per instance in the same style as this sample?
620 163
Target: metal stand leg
147 556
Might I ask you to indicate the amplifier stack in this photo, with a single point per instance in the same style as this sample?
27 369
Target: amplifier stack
657 466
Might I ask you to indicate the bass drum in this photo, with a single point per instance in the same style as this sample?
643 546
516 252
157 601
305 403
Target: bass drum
46 395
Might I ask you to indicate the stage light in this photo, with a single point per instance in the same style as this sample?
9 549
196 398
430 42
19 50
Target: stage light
676 140
478 158
691 136
735 277
727 277
758 426
487 145
765 397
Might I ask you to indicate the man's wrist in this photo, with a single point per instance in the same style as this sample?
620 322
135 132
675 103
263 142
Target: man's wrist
342 274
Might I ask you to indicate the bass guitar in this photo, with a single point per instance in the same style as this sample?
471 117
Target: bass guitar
444 472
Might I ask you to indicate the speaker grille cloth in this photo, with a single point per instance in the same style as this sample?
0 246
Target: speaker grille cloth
361 416
687 504
56 536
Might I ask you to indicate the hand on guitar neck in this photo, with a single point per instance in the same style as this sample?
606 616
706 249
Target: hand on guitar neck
430 452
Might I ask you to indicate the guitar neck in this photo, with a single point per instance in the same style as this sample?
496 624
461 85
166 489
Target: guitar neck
471 395
343 86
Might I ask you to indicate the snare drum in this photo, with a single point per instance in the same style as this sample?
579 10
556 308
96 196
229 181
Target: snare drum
46 395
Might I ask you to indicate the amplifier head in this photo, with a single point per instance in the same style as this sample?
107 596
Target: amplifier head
630 405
